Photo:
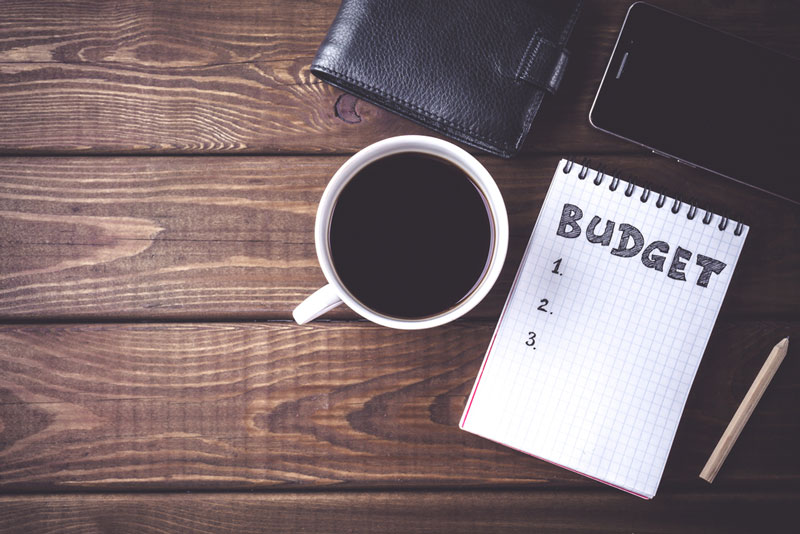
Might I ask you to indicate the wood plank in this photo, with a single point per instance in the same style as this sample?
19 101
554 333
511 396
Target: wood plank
232 238
221 406
232 76
406 513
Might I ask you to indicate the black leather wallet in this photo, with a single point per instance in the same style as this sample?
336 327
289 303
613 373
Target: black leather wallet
473 70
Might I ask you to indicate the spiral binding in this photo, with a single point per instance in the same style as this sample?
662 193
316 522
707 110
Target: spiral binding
660 201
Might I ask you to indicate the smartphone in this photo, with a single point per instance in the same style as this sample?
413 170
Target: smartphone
705 98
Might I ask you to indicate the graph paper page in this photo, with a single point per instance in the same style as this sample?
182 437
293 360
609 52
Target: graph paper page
600 339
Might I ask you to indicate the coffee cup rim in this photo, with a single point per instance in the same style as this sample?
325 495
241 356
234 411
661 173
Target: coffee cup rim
435 147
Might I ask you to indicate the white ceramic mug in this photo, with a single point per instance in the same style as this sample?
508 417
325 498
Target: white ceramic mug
335 292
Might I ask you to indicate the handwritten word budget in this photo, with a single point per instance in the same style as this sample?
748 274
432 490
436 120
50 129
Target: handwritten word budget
630 235
604 328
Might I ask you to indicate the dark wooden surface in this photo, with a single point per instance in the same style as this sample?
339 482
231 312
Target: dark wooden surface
147 280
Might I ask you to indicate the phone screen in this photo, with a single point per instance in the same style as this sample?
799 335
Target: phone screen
705 97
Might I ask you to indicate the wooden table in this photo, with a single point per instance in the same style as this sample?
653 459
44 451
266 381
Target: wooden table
161 166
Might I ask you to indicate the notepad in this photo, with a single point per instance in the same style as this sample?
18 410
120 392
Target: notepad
602 333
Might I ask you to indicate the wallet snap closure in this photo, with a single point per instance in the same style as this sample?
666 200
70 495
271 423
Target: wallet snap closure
543 63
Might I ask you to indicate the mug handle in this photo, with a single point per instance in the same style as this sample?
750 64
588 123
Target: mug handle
321 301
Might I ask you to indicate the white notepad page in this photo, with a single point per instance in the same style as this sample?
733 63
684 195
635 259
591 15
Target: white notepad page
594 354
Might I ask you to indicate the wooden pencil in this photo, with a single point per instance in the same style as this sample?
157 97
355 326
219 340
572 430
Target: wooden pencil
743 412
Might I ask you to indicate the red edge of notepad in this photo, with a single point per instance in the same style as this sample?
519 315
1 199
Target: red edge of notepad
505 307
645 497
478 383
491 345
483 366
472 397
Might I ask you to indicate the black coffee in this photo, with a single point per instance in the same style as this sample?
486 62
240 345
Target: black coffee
410 235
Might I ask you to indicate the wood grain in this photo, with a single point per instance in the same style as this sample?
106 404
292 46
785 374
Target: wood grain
330 406
231 77
401 512
232 238
122 382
